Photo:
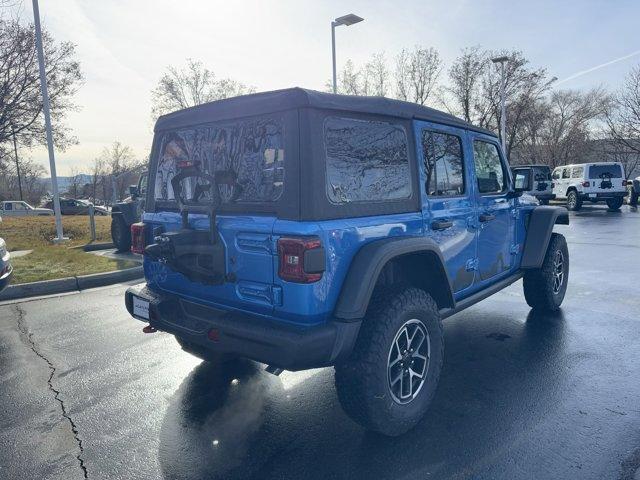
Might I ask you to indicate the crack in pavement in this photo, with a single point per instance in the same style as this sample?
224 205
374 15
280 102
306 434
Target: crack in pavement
22 328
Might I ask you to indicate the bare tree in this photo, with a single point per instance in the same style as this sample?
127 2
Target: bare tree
417 73
376 76
561 131
192 85
32 181
622 122
119 169
20 99
465 82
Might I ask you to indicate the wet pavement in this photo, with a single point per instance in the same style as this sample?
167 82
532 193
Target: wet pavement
85 394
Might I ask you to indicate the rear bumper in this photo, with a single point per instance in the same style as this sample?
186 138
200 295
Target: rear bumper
603 196
253 337
544 196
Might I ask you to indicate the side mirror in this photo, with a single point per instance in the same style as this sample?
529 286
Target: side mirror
133 190
521 181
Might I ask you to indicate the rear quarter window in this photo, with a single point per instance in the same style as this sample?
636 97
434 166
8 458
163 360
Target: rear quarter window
365 161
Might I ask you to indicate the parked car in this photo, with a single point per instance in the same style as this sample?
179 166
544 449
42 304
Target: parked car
590 182
304 229
539 177
72 206
18 208
126 213
634 191
6 270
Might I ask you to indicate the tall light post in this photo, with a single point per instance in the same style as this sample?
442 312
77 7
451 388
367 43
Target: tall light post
503 107
344 20
47 123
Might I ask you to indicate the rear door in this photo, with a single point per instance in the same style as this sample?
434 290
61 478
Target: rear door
252 152
496 211
448 199
606 178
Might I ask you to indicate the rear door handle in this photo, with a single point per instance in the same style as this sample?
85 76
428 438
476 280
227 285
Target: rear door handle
486 217
441 224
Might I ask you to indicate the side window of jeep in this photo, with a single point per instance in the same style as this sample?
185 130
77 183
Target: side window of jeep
366 161
489 168
443 165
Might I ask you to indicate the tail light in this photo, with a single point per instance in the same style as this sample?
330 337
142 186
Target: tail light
585 184
301 260
138 237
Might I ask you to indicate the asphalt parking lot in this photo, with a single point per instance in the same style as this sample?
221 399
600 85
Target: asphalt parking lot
85 394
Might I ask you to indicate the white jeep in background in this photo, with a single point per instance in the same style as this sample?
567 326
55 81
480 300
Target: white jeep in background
590 182
18 208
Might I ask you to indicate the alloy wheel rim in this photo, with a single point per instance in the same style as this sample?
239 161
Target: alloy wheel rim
558 271
408 361
572 200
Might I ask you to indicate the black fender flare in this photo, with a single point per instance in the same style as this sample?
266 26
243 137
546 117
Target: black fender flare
367 264
539 229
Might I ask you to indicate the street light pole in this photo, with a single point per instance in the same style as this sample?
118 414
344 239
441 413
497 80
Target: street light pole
333 55
15 151
503 107
47 123
345 20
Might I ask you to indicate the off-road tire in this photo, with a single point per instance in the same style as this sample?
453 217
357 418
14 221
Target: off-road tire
615 203
203 353
574 203
120 233
362 381
539 286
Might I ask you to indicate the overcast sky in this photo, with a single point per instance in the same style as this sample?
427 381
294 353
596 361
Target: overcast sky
124 46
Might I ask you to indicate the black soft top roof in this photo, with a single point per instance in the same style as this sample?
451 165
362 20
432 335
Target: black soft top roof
290 98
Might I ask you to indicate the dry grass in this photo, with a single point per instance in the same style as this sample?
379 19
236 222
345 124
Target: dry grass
25 233
49 261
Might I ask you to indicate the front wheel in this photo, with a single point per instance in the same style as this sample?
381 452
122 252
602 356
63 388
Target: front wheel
615 203
391 377
573 201
545 287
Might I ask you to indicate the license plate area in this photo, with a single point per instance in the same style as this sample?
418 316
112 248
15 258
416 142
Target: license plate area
140 308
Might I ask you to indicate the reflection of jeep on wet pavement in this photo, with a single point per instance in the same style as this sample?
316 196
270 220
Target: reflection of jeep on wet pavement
303 229
126 213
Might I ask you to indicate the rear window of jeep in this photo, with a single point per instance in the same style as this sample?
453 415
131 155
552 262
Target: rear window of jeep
366 161
599 171
251 148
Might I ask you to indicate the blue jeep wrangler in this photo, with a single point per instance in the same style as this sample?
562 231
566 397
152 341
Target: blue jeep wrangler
303 229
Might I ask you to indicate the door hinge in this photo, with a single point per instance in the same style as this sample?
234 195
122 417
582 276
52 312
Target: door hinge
471 265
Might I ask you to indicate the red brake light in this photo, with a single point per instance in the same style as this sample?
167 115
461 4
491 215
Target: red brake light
585 184
301 260
137 238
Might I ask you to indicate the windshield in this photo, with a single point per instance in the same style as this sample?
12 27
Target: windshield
252 149
598 171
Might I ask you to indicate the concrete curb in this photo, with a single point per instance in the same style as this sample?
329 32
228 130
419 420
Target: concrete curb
71 284
92 247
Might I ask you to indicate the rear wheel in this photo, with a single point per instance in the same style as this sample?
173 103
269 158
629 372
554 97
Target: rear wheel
391 377
545 287
615 203
573 201
120 233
